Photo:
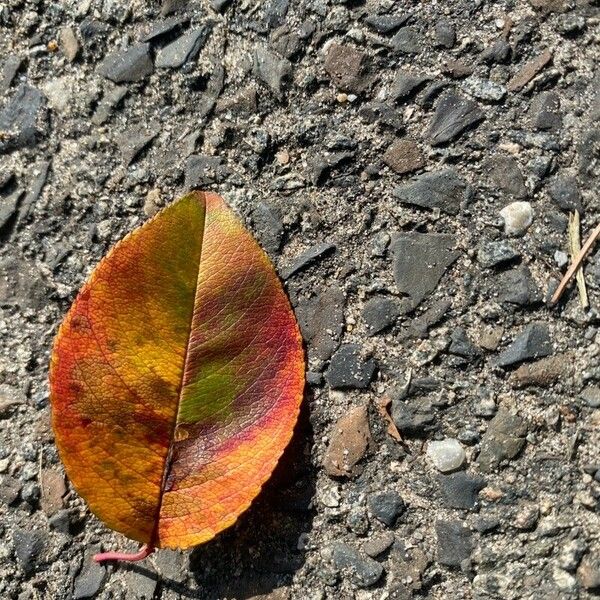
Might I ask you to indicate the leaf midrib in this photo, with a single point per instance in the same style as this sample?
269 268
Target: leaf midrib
168 458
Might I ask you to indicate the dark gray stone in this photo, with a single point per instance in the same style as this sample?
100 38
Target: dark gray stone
414 418
19 119
272 70
445 34
419 261
321 321
498 52
8 208
418 327
407 40
91 578
61 521
532 342
378 544
460 490
275 13
379 313
386 507
386 23
141 584
162 27
134 140
202 170
184 49
445 190
461 345
406 85
565 193
518 287
307 258
545 112
492 254
130 65
505 175
348 369
454 543
10 68
30 547
10 489
268 225
108 104
503 440
364 571
453 116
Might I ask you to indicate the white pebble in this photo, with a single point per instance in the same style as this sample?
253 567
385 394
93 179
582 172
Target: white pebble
517 216
447 455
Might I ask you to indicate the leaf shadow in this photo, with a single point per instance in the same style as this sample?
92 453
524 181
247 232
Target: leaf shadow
261 551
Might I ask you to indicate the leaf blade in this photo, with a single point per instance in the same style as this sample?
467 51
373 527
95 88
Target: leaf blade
214 412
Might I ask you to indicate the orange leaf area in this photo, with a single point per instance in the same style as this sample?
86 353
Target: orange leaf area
177 376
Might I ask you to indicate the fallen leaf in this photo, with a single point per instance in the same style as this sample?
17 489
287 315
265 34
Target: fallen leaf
176 377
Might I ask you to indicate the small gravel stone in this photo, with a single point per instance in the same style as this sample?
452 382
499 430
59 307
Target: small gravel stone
19 119
405 85
348 68
403 156
492 254
386 23
273 71
461 345
518 216
506 175
363 570
591 396
348 444
446 455
483 89
30 548
445 190
419 262
321 321
453 115
414 418
379 314
454 543
91 578
571 554
527 517
445 34
544 372
348 370
407 40
545 112
588 572
130 65
378 544
183 49
69 43
565 193
460 490
386 507
517 286
503 440
307 258
533 342
10 68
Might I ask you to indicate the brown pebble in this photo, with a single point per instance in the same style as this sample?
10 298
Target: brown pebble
543 372
68 43
490 338
588 572
403 156
528 71
53 490
349 442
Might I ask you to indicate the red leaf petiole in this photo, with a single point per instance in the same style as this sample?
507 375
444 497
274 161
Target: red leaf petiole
145 550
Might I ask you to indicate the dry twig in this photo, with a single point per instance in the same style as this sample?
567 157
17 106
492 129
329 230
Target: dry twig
575 247
575 265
